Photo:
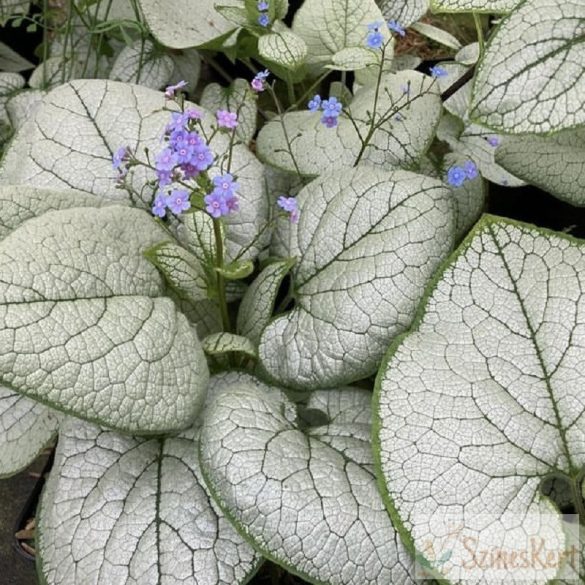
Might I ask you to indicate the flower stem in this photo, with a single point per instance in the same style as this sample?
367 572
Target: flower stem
225 318
479 29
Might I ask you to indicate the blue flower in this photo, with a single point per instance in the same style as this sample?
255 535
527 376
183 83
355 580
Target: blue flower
438 71
120 157
395 27
329 121
375 40
315 103
470 169
456 176
178 201
202 157
159 205
493 141
225 185
216 205
263 19
171 89
262 5
331 107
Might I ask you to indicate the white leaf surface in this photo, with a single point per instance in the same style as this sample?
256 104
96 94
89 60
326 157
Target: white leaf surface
124 510
403 11
284 48
406 134
489 6
26 428
482 402
328 26
531 78
71 140
256 308
353 58
178 24
367 241
22 106
554 163
143 64
10 83
238 97
84 327
300 498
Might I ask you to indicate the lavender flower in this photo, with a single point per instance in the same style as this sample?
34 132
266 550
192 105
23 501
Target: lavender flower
331 107
262 5
493 141
202 158
216 205
171 89
120 157
329 121
225 185
178 201
159 206
470 169
258 83
166 160
227 119
290 205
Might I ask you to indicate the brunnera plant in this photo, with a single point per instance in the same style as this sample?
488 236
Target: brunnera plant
196 304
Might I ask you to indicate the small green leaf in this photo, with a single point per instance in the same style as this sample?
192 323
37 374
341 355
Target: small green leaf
257 305
235 14
237 269
219 344
285 49
181 269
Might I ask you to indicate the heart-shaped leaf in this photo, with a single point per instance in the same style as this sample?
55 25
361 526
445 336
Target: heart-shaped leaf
70 142
125 510
367 241
532 75
307 500
482 403
284 48
26 428
84 327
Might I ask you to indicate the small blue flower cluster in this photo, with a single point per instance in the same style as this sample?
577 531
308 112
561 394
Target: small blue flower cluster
331 109
375 38
457 175
437 71
263 18
187 153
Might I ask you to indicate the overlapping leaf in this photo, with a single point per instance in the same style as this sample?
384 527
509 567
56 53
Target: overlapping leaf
553 163
489 6
85 328
482 404
403 11
367 241
307 500
126 510
532 76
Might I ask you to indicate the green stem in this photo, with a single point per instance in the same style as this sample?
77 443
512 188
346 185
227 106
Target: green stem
578 497
45 39
225 318
479 29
